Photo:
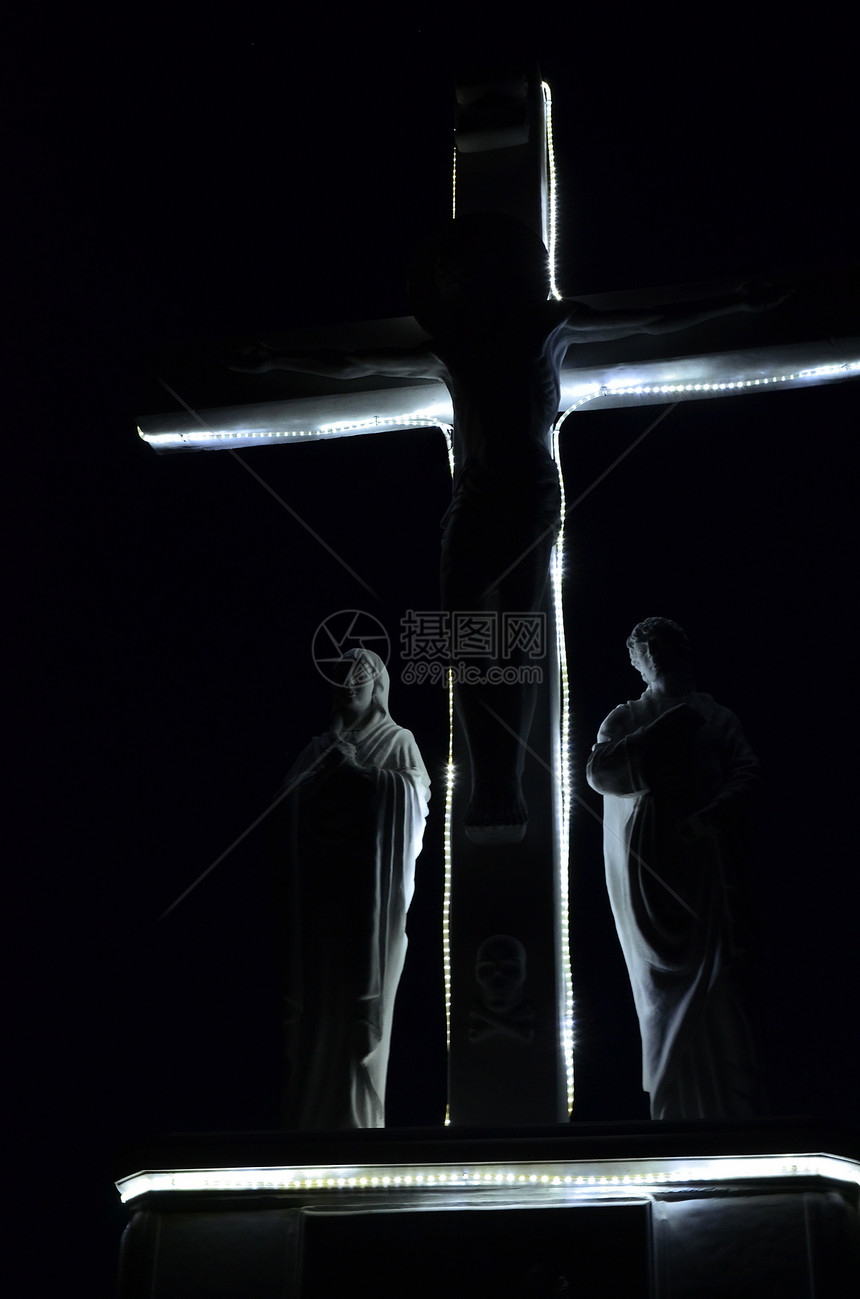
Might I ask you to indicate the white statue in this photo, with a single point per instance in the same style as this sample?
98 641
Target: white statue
678 780
357 816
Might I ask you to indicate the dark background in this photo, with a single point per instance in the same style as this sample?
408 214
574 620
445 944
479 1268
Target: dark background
183 176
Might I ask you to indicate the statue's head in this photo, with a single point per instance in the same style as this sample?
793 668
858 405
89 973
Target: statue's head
500 972
486 268
661 644
361 686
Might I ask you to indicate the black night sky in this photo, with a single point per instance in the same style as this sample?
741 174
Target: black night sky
223 177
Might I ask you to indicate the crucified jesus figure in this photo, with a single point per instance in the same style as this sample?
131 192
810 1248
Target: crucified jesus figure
480 288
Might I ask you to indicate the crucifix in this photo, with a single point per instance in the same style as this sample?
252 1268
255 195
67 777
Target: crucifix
488 356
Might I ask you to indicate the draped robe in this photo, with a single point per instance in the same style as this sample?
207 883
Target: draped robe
675 902
355 833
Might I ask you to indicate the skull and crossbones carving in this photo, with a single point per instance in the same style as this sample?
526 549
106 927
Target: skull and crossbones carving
500 973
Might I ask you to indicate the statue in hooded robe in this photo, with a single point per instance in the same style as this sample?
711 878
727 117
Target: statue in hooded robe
357 802
678 781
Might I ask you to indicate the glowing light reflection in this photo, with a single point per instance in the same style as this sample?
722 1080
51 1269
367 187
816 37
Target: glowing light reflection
561 773
552 197
572 1179
429 416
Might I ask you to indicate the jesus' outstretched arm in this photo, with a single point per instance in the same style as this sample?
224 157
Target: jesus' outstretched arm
407 362
585 324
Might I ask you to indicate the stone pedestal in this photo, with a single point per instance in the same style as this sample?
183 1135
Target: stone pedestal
651 1210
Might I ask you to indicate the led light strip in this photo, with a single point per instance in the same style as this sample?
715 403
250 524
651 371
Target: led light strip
598 390
580 1179
736 385
373 423
553 191
561 773
428 418
552 195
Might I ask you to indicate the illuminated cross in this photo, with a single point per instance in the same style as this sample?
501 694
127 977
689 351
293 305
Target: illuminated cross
506 904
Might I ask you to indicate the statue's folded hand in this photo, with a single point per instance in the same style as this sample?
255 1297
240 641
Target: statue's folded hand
342 752
680 720
695 828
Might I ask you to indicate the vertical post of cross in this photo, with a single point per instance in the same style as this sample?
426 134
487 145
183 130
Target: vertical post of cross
502 162
507 930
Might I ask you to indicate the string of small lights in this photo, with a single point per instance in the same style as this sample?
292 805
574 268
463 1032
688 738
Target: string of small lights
582 1179
209 438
